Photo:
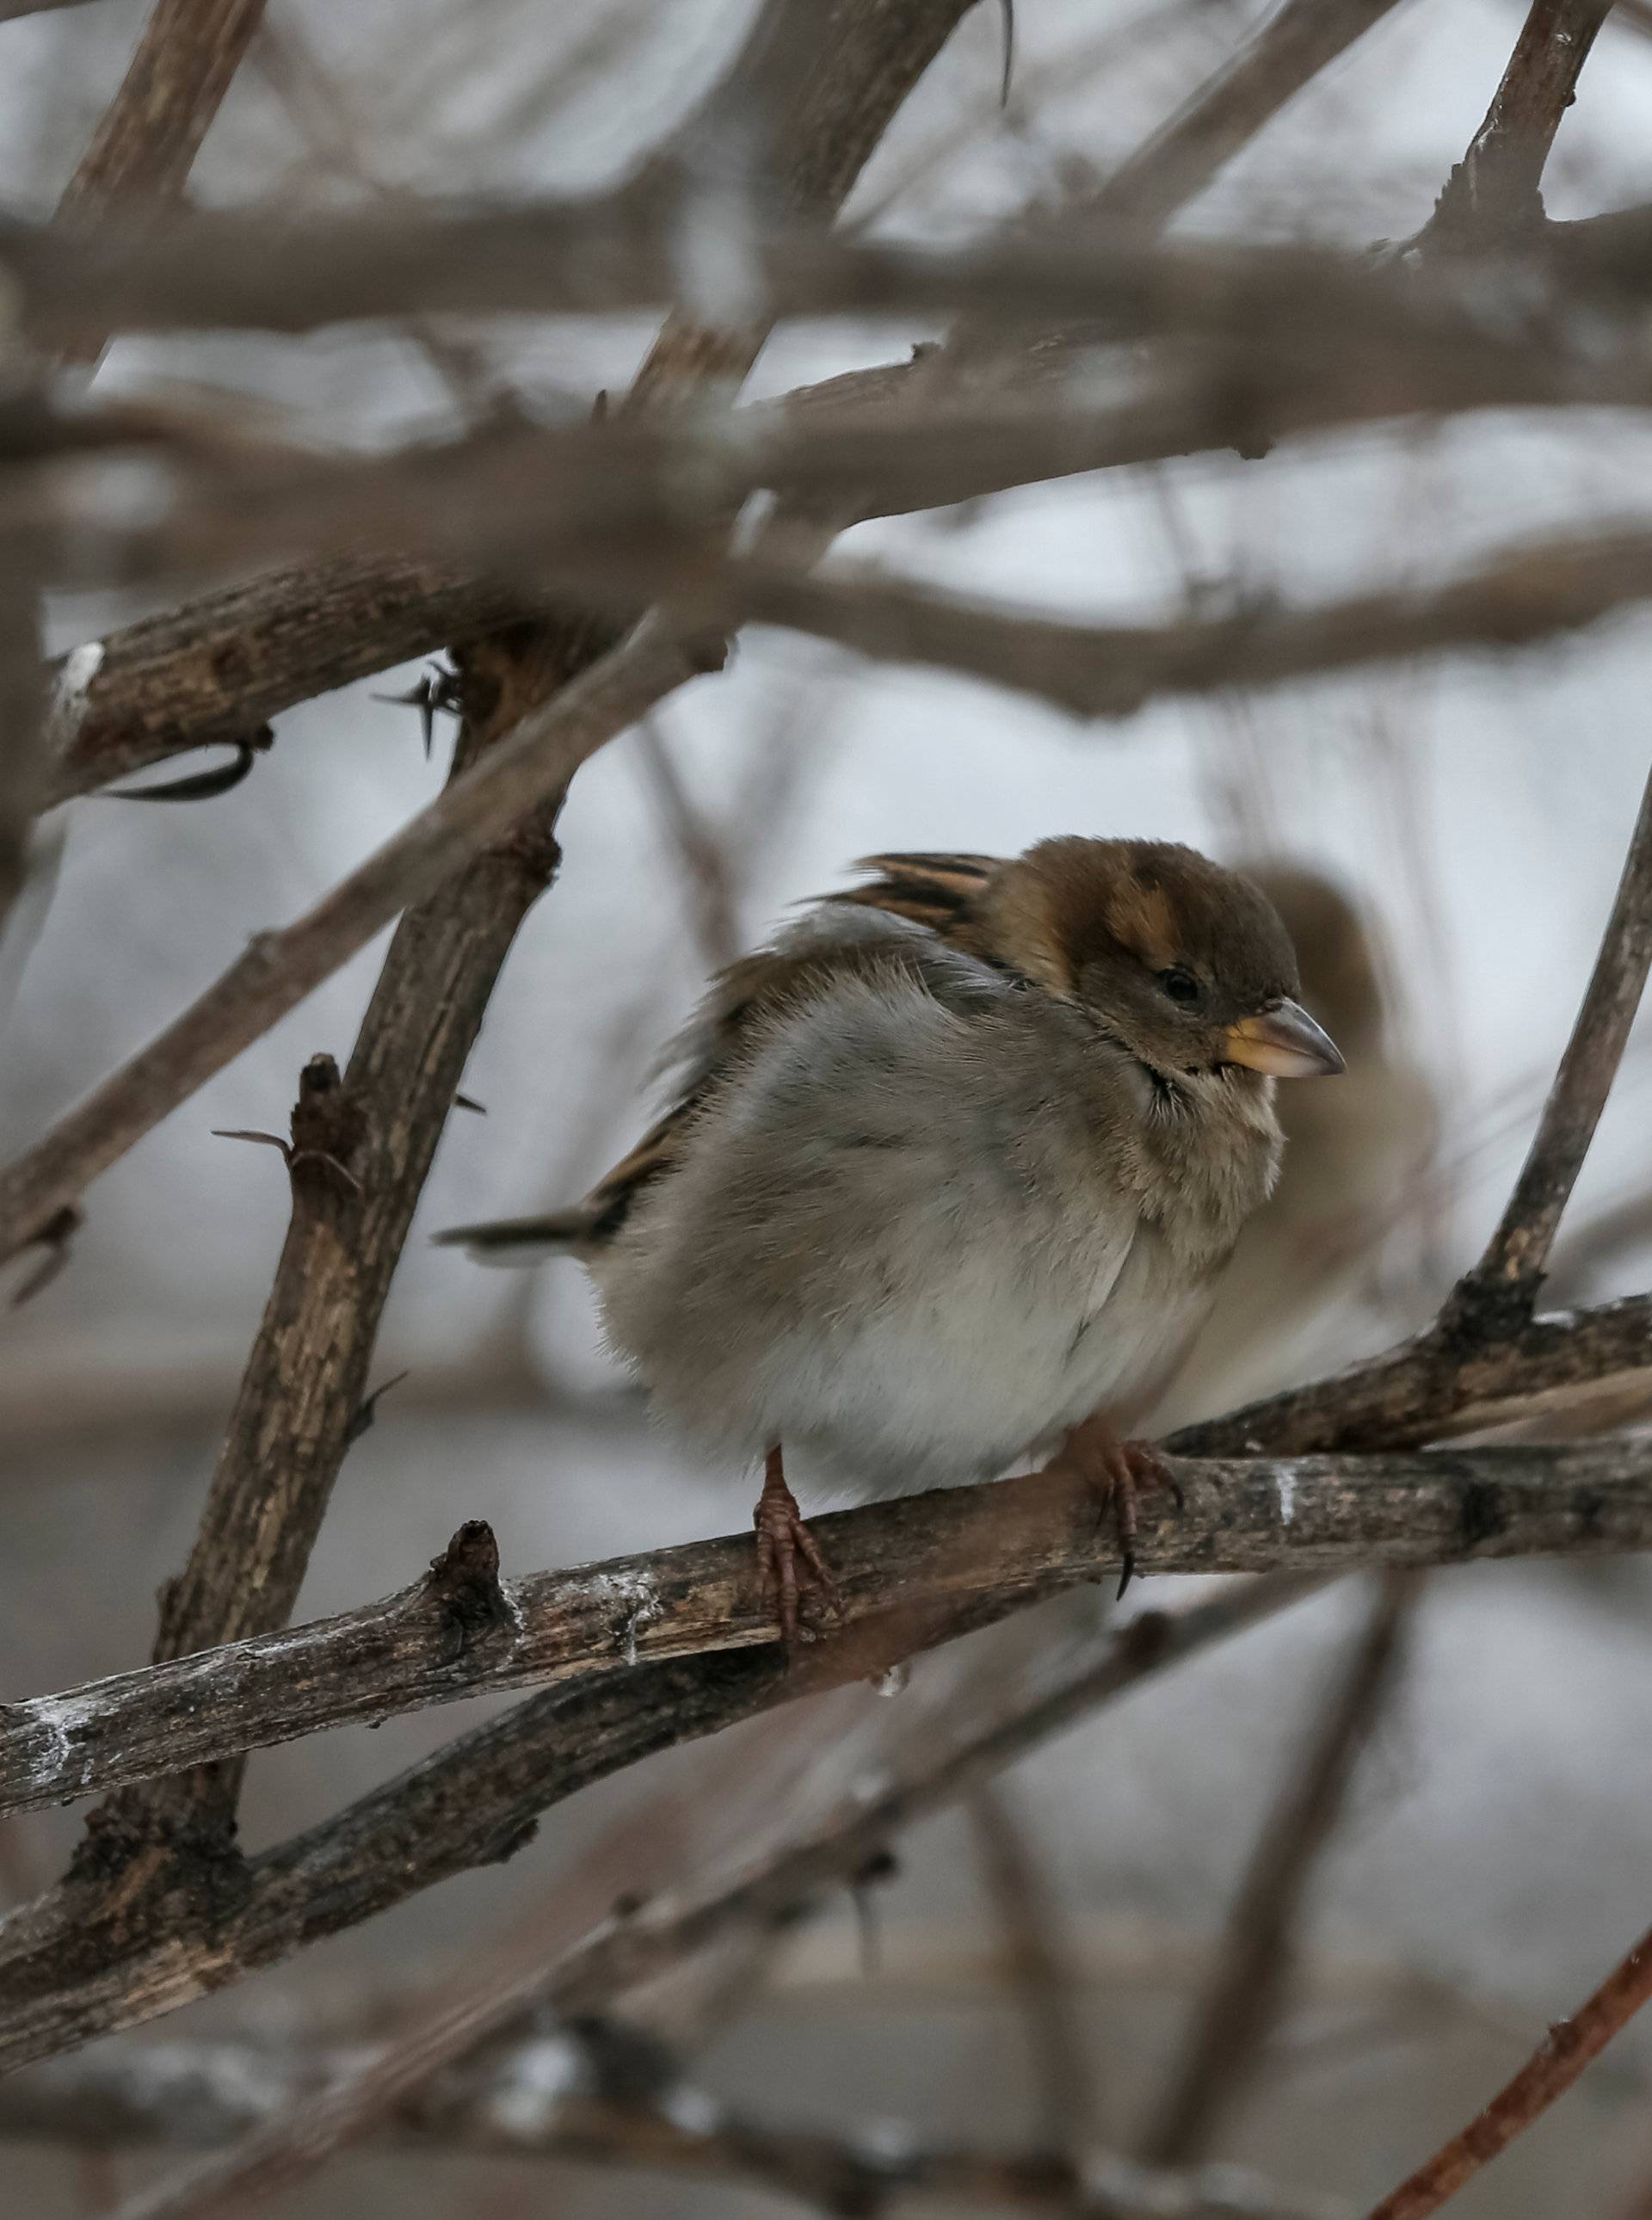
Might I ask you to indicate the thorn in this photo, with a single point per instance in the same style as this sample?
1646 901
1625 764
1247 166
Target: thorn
56 1237
1007 8
367 1410
466 1102
438 691
243 1133
599 407
292 1157
201 785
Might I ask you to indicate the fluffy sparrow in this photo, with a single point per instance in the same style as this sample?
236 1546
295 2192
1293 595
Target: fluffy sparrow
1337 1257
950 1173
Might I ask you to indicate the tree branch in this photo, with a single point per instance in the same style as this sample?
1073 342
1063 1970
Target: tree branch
1108 671
456 1633
205 2093
1296 45
1492 194
1029 1918
147 139
1115 670
220 667
279 970
1243 2002
363 616
1501 1291
1568 2048
477 1800
235 270
1434 1386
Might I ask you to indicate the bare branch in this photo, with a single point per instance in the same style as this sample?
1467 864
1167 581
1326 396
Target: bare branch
63 1980
1114 671
1107 671
220 667
1492 194
1250 1983
1296 45
147 141
242 270
279 969
1029 1920
1502 1289
208 2092
998 1545
1568 2048
1435 1386
24 738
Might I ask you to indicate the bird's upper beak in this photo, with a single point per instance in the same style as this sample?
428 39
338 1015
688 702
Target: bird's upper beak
1285 1041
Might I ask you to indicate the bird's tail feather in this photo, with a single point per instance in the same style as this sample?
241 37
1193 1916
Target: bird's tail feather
522 1240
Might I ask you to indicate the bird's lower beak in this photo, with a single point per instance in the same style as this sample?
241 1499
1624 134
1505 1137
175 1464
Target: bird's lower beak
1285 1041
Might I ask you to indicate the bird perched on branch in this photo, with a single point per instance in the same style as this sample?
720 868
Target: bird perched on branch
950 1172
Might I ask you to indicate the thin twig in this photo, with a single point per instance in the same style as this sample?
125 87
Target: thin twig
1029 1917
1501 1291
1249 1988
280 969
1296 45
1568 2047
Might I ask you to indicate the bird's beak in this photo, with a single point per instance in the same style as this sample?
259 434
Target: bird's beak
1285 1041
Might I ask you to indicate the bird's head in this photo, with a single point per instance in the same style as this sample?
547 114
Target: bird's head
1185 963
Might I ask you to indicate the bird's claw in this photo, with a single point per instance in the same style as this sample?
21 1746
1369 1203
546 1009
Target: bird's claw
1116 1470
789 1562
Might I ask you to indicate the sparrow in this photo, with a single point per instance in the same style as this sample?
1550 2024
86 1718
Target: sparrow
950 1171
1336 1253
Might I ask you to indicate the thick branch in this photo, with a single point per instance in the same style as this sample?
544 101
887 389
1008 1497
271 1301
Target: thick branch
219 668
477 1800
1493 194
993 1546
1437 1385
1114 671
148 137
1108 671
280 969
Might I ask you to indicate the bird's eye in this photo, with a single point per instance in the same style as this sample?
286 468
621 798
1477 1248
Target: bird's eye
1181 986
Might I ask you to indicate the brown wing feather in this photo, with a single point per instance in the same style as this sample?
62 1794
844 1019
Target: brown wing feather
936 890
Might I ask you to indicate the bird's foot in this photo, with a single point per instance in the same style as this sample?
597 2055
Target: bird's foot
788 1556
1116 1470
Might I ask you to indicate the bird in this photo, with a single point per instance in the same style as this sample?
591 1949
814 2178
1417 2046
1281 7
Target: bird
1335 1261
948 1176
